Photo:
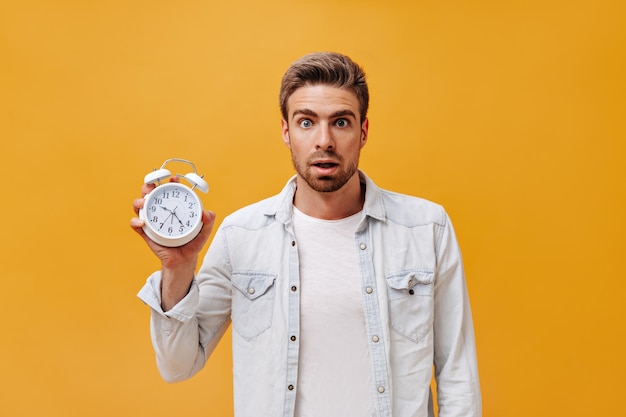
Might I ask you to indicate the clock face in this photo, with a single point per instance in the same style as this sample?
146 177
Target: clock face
172 213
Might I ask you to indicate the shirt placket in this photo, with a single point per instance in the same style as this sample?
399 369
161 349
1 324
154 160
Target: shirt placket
381 387
293 342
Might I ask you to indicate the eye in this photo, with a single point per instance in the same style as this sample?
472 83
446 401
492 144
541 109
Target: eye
342 123
305 123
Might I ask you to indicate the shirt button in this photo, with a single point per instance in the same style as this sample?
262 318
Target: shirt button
411 291
294 288
375 339
293 338
293 243
250 290
290 387
363 246
369 290
381 389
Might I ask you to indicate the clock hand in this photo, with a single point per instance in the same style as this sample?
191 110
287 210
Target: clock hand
174 214
163 224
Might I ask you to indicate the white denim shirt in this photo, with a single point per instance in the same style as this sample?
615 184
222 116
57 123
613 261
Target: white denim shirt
416 308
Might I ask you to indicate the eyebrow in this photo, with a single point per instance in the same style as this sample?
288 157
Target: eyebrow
309 112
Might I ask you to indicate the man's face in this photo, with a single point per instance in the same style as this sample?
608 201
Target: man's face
325 135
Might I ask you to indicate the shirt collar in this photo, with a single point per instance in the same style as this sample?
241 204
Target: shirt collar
282 206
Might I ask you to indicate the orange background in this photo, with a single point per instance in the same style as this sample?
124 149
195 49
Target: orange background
510 114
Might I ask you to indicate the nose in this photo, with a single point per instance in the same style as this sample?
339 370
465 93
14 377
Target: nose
325 139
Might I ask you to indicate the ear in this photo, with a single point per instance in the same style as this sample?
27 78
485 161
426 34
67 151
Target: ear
364 132
284 128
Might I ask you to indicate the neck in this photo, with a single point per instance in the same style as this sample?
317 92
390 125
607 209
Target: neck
345 202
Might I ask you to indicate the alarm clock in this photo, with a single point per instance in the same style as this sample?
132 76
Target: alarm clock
172 212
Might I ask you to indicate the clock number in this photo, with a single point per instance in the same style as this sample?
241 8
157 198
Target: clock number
190 206
182 229
170 230
175 194
155 219
166 195
158 201
192 214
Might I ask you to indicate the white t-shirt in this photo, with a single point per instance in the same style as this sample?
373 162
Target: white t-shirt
334 374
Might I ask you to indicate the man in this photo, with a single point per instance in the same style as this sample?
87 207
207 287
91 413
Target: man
342 295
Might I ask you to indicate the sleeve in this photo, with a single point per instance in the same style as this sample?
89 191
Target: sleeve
456 369
185 336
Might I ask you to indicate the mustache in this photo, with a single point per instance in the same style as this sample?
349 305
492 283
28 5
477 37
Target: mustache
325 155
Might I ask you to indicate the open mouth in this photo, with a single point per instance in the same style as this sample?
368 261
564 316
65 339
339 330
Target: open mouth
325 169
326 165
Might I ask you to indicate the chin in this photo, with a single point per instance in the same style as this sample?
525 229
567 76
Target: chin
325 184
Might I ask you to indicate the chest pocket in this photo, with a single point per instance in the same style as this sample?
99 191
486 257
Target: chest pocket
411 302
253 302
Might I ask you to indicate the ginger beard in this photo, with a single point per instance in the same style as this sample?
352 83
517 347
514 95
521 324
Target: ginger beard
325 183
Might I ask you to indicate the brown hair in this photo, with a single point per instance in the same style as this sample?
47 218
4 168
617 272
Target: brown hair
330 68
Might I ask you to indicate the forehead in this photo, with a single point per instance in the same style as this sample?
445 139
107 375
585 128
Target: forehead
322 98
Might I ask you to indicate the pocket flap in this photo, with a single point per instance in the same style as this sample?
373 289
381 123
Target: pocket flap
253 284
405 280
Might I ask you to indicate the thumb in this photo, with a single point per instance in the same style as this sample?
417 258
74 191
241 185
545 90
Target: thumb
208 221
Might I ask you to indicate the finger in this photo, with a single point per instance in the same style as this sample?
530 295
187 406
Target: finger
146 188
137 224
138 205
208 217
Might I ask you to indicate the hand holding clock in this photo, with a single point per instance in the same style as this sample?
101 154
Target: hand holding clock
178 264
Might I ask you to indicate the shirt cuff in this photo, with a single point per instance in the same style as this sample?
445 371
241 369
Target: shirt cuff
185 310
